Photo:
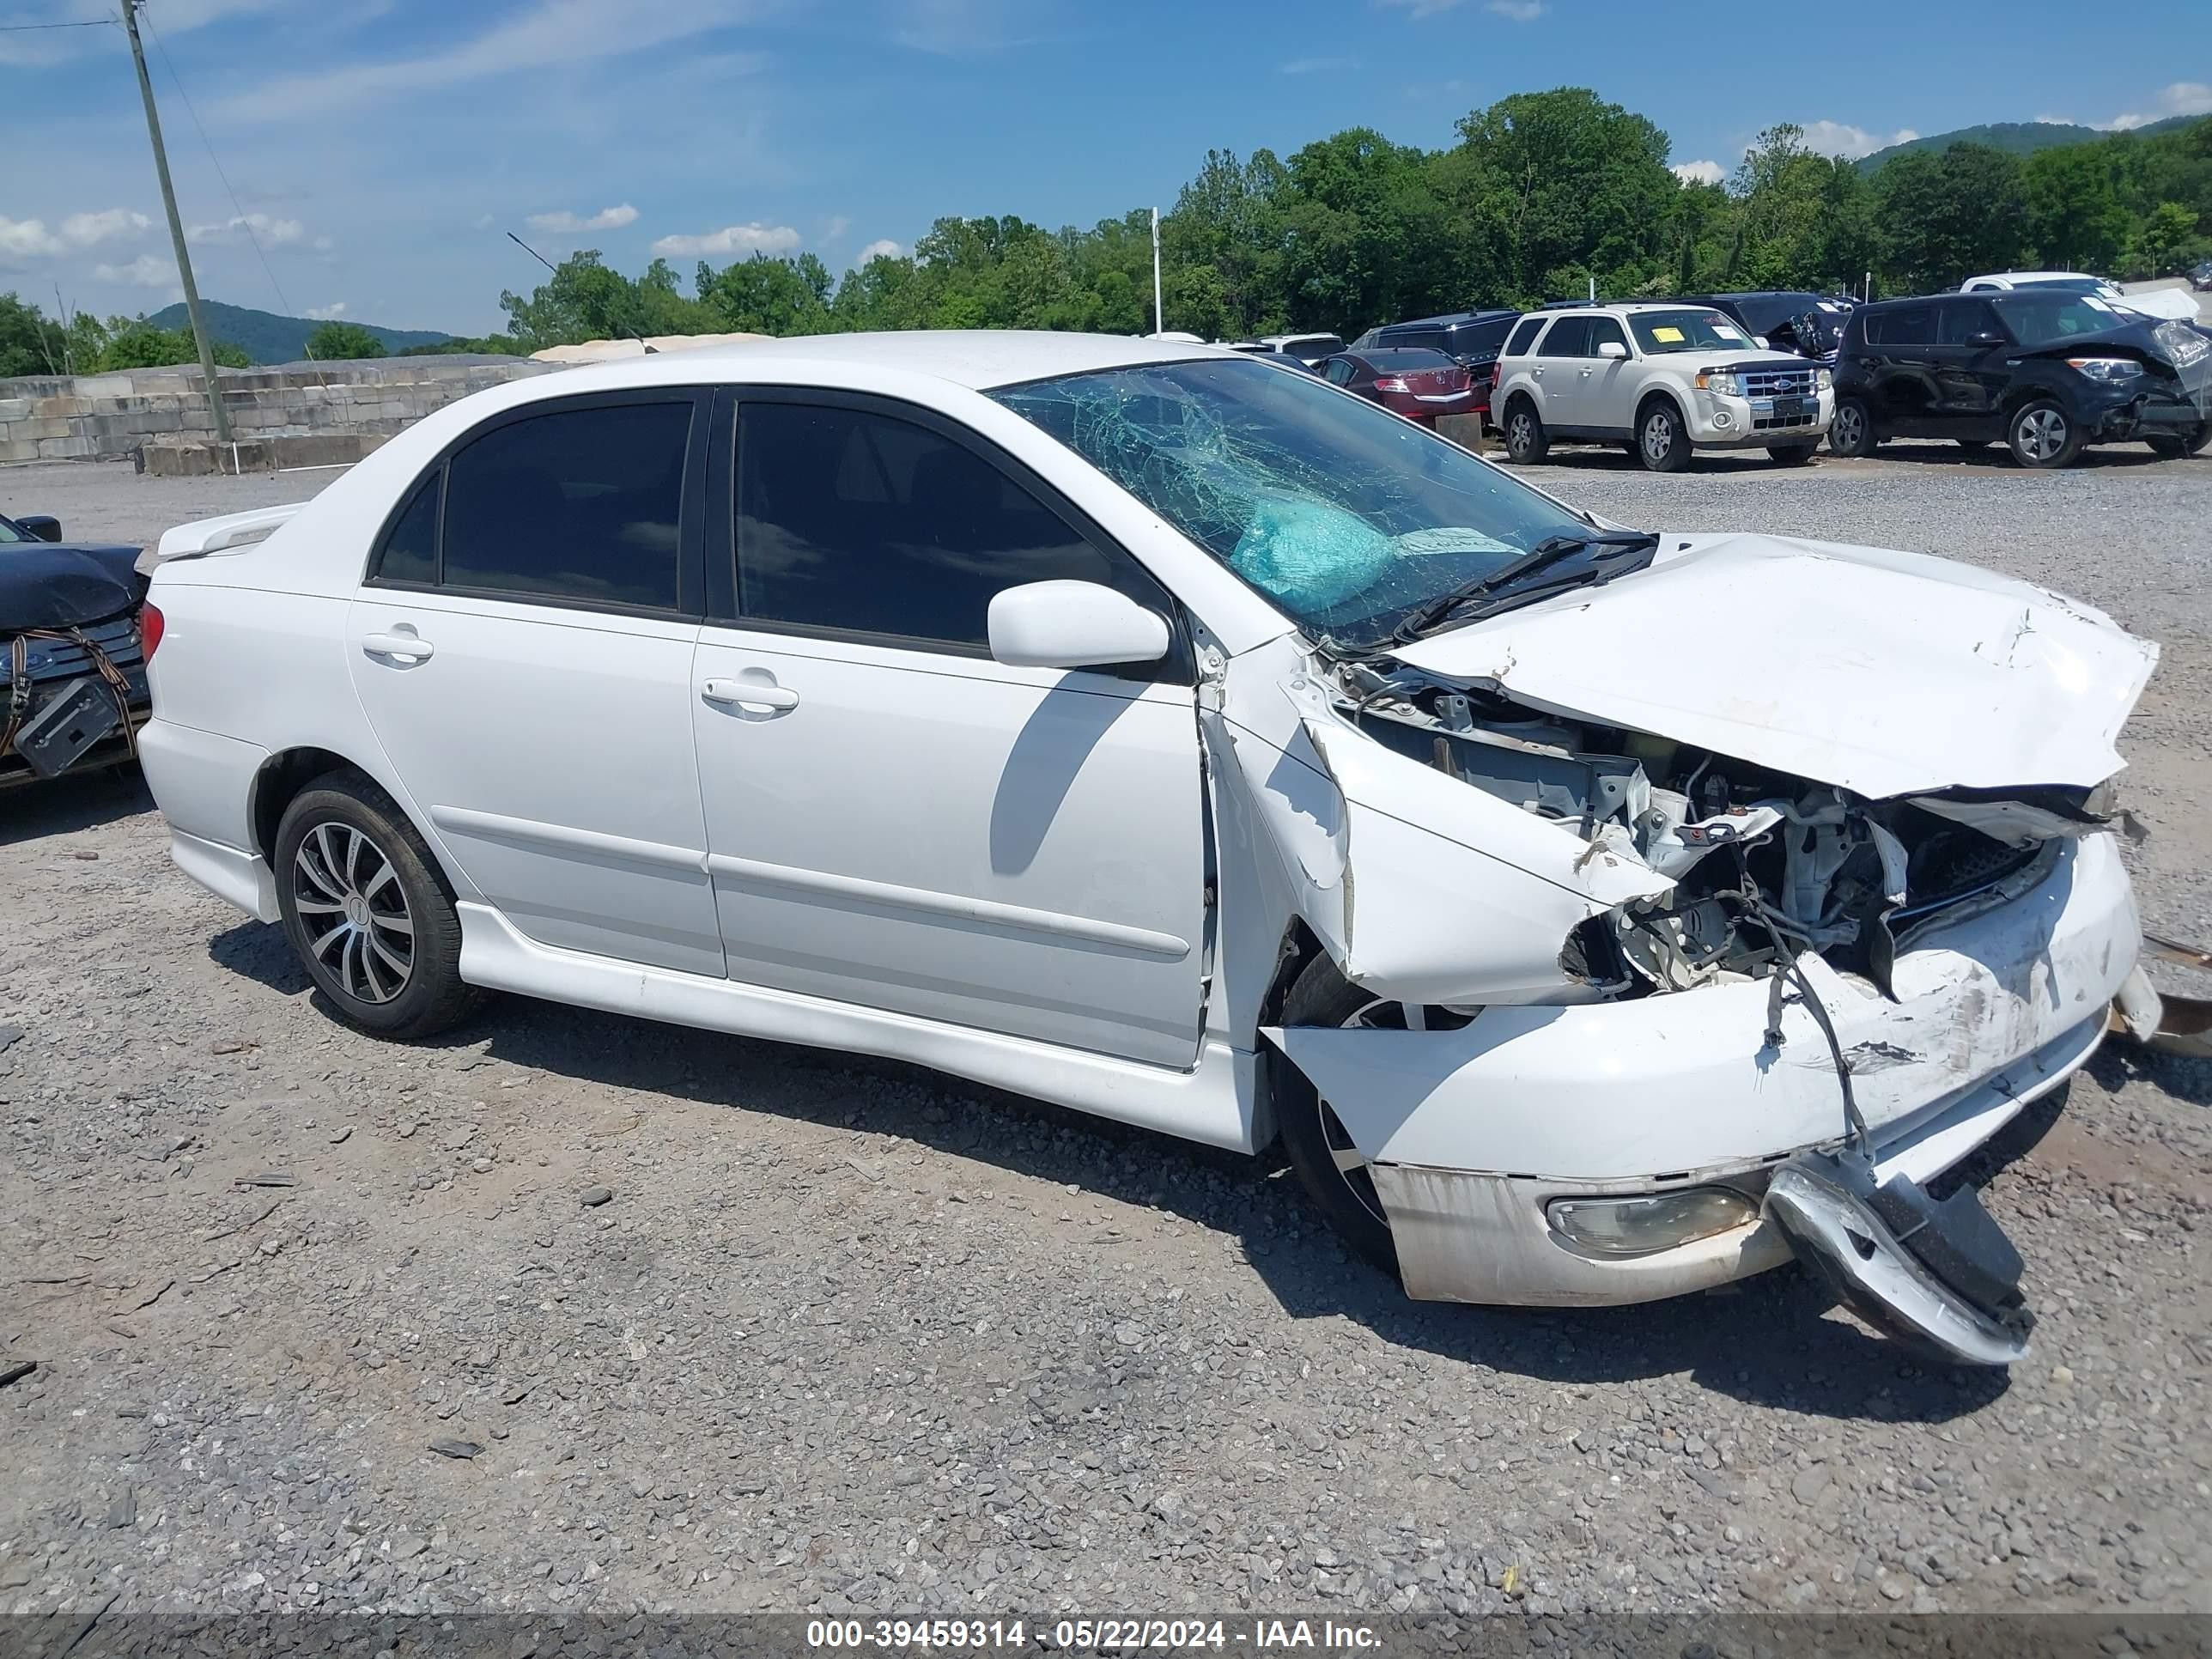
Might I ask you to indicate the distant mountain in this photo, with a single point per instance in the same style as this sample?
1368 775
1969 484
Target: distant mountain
2020 137
268 338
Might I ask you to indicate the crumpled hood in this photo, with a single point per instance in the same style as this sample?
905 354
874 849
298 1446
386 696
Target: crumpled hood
1882 673
43 585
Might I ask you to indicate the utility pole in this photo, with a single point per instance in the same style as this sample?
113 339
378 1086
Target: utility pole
176 226
1158 326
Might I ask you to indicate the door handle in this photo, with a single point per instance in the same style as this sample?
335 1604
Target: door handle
1587 373
408 646
750 694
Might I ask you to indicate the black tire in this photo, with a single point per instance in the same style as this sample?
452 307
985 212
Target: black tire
2042 436
367 912
1791 454
1311 1135
2181 446
1663 442
1851 431
1526 441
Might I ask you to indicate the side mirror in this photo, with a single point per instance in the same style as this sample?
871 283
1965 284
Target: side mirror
1612 349
42 526
1070 624
1762 343
1987 337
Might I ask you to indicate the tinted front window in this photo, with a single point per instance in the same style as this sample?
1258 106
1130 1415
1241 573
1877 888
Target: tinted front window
1902 325
1523 337
583 504
1604 330
10 533
2036 318
864 523
411 546
1661 331
1345 516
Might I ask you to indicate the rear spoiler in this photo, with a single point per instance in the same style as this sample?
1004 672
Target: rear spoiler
204 536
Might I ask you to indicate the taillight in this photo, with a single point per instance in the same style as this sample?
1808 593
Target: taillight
1395 383
149 629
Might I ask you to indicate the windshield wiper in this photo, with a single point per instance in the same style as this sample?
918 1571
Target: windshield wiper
1547 553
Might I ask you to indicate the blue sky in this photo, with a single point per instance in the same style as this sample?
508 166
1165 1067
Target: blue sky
380 148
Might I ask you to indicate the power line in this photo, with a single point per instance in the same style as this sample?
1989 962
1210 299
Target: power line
244 223
25 28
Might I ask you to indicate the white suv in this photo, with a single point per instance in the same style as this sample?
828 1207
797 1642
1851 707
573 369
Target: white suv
1661 380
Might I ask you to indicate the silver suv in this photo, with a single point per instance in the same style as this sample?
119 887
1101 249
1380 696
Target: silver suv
1660 379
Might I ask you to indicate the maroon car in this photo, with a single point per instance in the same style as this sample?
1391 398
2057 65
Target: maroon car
1409 380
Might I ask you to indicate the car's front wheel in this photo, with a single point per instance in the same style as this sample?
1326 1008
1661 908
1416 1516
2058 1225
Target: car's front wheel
1333 1171
2042 435
2180 445
1660 442
1791 454
1526 443
365 912
1850 431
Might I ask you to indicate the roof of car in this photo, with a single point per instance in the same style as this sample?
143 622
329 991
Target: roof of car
1450 318
978 359
1628 307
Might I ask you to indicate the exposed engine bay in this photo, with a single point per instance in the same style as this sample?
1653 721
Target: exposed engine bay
1764 866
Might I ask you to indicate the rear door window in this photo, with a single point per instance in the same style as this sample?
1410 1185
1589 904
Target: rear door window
1905 325
1523 338
1570 337
578 505
1957 321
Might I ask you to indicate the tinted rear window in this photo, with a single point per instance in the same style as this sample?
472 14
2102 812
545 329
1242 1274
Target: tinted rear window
582 504
1570 337
1901 325
1523 338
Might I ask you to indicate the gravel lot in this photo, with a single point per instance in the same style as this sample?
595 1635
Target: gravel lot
846 1334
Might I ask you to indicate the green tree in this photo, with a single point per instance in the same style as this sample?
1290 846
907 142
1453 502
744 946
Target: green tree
2076 220
1948 215
30 342
766 296
2170 228
134 343
337 341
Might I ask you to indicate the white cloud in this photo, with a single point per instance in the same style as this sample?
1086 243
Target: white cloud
23 238
1521 11
885 249
2056 121
953 29
2182 98
1841 139
270 233
1419 9
543 35
1698 171
330 313
565 222
144 272
741 240
84 229
838 225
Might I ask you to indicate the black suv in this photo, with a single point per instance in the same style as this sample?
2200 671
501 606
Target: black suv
2045 372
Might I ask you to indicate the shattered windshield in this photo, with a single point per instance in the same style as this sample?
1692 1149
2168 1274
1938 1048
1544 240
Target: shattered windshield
1347 517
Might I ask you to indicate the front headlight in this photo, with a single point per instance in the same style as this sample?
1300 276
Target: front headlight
1823 380
1722 380
2107 369
1650 1223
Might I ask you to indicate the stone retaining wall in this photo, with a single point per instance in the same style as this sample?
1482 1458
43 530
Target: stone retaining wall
111 417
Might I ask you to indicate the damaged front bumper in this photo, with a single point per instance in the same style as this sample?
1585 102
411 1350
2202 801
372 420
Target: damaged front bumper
1471 1133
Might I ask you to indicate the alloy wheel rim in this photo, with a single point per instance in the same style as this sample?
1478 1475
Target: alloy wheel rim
1524 433
1658 437
1847 427
2043 432
1352 1165
354 911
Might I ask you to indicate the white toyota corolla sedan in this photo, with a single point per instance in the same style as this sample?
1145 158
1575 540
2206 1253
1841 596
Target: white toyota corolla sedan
1595 915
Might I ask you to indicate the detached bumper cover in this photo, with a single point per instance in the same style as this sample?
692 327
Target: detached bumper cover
1939 1276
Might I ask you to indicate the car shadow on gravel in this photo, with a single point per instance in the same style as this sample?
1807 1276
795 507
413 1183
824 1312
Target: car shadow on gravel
1771 1341
67 804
